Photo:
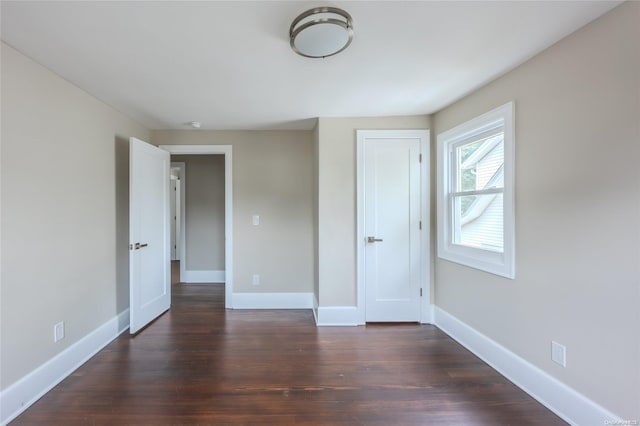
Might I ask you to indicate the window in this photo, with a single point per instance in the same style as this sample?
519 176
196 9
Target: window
476 220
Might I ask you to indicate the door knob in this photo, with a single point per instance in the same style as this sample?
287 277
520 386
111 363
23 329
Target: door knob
373 240
138 246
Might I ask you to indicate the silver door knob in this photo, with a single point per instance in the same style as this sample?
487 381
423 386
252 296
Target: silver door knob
373 240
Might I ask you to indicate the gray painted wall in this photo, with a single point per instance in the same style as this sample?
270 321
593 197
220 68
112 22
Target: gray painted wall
65 213
577 209
272 178
337 201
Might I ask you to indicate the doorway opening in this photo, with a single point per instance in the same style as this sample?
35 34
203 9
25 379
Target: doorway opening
199 265
201 216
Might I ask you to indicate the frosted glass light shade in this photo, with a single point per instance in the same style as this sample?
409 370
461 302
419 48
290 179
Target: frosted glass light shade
321 32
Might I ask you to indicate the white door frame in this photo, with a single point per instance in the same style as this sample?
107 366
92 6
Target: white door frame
225 150
426 316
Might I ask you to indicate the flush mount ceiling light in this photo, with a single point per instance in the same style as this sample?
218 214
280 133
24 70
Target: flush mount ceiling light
321 32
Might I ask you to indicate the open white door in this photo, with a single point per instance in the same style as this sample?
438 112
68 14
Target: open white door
149 234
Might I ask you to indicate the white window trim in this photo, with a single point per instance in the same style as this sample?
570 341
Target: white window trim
502 264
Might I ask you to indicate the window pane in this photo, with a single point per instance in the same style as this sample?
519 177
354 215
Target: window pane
480 164
478 221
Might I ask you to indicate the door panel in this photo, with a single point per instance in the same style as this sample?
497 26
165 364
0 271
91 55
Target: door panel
392 218
149 234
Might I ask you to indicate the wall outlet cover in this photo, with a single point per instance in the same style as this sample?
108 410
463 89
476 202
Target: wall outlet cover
58 331
559 353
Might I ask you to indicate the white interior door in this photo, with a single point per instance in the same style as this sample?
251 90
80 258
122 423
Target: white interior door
149 234
392 229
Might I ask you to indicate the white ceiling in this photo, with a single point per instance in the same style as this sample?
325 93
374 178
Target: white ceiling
229 64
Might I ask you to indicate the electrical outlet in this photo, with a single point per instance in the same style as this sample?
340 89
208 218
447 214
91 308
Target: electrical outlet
256 279
558 353
58 331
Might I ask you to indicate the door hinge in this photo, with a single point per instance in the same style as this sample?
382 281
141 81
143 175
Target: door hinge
420 292
420 158
420 225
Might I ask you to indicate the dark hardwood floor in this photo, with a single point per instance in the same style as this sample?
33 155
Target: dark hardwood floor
202 365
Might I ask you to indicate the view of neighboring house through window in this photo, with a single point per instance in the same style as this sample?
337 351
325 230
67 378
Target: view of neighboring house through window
475 193
478 195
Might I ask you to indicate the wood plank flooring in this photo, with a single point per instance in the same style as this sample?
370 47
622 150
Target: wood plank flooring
202 365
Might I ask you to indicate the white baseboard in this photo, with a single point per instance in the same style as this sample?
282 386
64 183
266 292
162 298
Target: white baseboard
200 277
570 405
338 316
272 300
352 316
427 314
22 394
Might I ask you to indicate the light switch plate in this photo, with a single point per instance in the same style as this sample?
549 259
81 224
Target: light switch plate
255 220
